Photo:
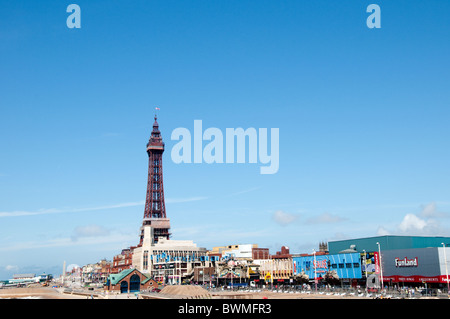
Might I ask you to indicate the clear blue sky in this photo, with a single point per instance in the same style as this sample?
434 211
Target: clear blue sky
363 116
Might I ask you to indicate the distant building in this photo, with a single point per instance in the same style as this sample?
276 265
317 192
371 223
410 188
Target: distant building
282 254
240 251
260 253
122 261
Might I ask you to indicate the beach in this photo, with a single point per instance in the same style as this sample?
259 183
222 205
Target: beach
171 292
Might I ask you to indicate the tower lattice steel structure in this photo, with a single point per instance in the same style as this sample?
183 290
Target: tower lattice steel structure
155 208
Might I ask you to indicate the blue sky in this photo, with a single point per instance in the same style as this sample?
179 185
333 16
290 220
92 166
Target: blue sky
362 113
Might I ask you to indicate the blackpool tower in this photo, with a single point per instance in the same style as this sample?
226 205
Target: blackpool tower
155 208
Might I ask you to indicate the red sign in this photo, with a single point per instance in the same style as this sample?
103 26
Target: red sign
434 279
377 262
320 264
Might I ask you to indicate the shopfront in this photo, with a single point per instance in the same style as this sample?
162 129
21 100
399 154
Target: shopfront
415 267
347 267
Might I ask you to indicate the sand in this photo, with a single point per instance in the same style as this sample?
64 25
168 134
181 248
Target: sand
169 292
185 291
35 293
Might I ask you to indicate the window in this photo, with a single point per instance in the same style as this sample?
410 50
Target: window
341 265
348 265
145 260
307 265
355 265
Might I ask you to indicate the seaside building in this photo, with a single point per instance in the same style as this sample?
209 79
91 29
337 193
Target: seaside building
346 267
239 263
400 260
129 281
240 251
168 261
122 261
387 243
282 254
276 271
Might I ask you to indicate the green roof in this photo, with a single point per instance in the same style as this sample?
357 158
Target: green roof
114 279
148 277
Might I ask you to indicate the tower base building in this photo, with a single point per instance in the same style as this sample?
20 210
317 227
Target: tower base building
167 260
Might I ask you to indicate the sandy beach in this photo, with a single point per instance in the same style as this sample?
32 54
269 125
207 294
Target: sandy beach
36 293
169 292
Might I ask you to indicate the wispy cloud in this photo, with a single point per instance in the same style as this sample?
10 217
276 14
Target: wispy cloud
426 223
11 268
89 231
68 210
430 211
283 218
69 242
95 208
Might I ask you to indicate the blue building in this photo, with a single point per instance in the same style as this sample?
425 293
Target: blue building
347 266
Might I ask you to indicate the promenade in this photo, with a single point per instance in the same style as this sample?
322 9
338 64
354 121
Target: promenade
187 292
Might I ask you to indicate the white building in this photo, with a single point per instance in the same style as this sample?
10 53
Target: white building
181 254
241 251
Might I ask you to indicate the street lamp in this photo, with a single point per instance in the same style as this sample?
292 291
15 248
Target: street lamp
381 266
446 270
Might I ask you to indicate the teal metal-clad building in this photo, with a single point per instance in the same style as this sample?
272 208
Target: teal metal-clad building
369 244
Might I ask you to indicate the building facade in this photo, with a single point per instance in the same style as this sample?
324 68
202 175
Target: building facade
400 260
129 281
122 261
168 261
416 266
346 266
386 243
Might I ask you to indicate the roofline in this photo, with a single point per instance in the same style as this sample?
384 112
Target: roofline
387 236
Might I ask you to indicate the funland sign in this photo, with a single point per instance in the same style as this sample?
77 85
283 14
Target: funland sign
405 262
